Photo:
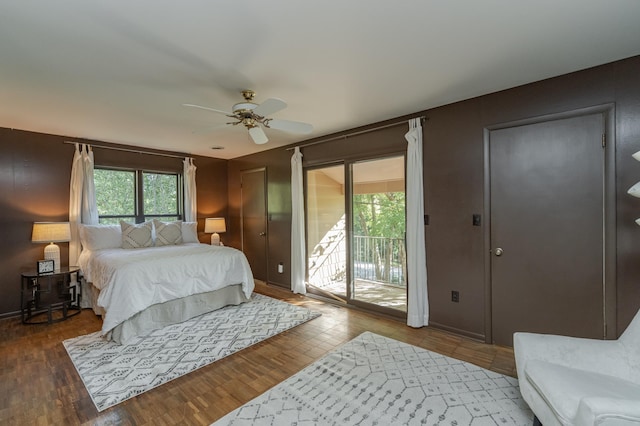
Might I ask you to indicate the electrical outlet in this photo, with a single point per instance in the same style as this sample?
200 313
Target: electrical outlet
455 296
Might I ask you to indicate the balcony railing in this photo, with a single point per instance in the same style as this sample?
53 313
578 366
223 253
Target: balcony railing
376 259
380 259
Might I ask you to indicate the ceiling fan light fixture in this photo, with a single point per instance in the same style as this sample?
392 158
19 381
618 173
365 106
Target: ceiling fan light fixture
253 116
242 107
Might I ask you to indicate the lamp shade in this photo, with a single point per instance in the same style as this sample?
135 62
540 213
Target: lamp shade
214 224
50 232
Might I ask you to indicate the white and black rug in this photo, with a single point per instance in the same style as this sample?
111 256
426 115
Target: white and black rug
113 373
374 380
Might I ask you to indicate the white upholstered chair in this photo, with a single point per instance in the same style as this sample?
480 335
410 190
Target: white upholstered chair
575 381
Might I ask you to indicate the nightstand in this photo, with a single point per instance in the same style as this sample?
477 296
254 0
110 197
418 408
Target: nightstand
49 298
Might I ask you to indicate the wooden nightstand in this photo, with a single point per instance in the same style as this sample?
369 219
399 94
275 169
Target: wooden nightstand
50 294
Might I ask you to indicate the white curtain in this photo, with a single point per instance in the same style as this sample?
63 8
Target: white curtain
89 206
417 303
298 255
190 201
82 197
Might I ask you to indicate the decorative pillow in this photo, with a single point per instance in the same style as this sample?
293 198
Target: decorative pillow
97 237
168 233
190 232
136 236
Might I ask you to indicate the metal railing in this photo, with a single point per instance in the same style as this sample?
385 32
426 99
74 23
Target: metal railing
380 259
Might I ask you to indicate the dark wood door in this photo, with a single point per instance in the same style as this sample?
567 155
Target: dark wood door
254 221
546 204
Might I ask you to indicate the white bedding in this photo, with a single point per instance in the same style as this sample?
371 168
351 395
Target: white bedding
131 280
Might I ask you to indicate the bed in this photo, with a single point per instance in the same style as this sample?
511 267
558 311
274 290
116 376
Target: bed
144 284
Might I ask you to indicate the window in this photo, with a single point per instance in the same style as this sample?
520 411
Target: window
137 195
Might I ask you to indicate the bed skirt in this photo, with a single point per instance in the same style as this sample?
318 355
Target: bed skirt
172 312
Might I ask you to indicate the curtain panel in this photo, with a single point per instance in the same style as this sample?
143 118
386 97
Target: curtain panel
82 197
417 298
190 201
298 252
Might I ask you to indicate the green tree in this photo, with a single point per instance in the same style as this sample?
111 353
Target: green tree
116 195
380 215
115 192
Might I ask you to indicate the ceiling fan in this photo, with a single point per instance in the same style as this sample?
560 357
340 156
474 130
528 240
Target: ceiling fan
254 116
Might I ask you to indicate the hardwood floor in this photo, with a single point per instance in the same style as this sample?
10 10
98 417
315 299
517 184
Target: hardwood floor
40 386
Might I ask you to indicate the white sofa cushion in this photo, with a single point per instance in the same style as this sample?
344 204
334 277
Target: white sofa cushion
563 388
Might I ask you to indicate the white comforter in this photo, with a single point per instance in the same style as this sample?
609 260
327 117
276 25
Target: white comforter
131 280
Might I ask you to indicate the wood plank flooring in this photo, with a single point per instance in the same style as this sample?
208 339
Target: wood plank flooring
40 386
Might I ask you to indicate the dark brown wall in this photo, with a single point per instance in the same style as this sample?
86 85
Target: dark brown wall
454 185
35 170
278 172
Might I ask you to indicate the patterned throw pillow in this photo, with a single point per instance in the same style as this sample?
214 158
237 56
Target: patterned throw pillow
168 233
190 232
136 236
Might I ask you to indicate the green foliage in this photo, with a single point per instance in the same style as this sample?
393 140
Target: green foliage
379 215
379 230
115 192
116 195
160 193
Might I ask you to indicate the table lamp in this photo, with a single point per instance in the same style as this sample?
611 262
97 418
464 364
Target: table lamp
213 225
51 232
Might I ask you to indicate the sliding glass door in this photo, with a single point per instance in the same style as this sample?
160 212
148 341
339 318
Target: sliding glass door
326 232
356 233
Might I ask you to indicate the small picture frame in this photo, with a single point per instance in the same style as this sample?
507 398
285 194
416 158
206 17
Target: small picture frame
45 266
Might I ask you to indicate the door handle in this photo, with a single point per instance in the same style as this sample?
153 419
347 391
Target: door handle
498 251
262 234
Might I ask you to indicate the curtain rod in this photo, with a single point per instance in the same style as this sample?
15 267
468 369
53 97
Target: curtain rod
136 151
384 126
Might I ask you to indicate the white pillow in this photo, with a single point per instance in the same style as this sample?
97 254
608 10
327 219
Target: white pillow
136 236
168 233
97 237
190 232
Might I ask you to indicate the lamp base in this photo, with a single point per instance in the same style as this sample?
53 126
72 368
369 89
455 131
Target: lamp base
52 252
215 239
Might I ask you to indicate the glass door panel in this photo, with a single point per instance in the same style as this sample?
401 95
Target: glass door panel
378 240
326 232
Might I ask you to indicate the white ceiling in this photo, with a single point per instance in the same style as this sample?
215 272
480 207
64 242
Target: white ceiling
120 70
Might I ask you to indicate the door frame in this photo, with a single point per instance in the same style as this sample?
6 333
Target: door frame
348 195
266 221
609 212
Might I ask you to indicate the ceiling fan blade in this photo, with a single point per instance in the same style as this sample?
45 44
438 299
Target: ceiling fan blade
269 107
207 108
258 135
291 126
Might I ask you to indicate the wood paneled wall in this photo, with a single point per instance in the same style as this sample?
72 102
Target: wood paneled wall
35 172
454 184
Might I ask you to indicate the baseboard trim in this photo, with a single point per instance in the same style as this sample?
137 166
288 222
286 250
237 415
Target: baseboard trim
475 336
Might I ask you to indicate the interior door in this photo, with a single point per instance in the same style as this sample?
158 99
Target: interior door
546 213
254 221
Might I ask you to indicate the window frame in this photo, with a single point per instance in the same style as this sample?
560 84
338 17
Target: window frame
139 215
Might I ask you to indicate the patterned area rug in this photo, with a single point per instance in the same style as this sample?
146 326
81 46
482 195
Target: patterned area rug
373 380
113 373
